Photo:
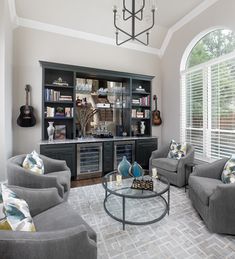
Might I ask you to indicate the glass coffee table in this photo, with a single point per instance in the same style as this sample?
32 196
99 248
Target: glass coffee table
136 207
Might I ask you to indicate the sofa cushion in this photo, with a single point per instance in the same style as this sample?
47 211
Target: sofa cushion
63 178
61 217
203 187
17 212
166 164
177 150
228 174
33 163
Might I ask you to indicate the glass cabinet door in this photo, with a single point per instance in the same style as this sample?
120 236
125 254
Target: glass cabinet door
124 148
89 159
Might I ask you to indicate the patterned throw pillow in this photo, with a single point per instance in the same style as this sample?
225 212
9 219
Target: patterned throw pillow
176 150
16 211
4 225
34 163
228 174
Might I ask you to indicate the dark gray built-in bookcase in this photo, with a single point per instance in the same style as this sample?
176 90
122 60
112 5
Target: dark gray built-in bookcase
132 114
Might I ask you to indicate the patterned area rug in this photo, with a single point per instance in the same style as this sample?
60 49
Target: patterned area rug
182 234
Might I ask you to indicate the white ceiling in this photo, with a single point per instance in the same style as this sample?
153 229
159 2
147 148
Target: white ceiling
96 17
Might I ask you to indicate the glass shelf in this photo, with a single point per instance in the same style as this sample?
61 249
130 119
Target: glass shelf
59 118
101 95
59 86
141 93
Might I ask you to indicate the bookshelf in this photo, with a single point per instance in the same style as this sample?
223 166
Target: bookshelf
141 106
59 101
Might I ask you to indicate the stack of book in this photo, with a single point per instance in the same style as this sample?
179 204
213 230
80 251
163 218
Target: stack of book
136 101
52 95
65 98
140 114
60 112
147 114
145 101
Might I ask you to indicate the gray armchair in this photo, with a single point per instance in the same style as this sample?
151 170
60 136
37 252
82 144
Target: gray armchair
56 174
213 199
61 232
174 170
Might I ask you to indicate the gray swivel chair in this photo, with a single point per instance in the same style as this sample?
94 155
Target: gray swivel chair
174 170
60 231
213 199
56 174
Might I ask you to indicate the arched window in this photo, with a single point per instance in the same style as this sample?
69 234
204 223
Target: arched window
208 96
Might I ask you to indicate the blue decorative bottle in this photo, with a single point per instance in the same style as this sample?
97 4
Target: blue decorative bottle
136 170
123 167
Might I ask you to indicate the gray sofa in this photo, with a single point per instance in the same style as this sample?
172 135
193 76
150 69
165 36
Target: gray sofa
57 174
213 199
174 170
61 232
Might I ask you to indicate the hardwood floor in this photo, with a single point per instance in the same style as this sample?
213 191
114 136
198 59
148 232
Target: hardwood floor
85 182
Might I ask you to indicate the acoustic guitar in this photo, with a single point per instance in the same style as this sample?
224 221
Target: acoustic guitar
156 116
26 117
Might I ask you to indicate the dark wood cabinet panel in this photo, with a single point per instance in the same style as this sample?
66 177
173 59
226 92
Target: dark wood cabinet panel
144 149
107 157
65 152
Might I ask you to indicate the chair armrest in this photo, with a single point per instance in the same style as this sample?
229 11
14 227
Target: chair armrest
68 243
162 152
188 159
38 200
210 170
19 176
222 208
53 165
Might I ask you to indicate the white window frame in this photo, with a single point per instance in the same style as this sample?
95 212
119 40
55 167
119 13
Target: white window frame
207 129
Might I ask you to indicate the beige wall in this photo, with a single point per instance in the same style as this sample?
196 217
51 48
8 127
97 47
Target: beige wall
6 87
220 14
30 46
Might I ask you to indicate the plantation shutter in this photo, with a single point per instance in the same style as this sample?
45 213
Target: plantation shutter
194 109
208 108
223 109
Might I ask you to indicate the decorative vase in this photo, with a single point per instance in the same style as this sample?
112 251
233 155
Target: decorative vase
123 167
136 170
142 127
50 131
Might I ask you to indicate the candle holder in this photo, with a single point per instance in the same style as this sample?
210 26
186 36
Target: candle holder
118 179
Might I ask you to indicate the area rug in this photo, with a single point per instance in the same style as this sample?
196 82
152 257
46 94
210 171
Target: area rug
181 235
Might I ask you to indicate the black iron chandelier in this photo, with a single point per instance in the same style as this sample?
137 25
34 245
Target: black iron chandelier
134 15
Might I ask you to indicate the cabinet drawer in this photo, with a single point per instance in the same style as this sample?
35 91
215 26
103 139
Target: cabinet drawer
61 152
144 149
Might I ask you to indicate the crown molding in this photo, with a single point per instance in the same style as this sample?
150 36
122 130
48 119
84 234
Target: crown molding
32 24
186 19
12 10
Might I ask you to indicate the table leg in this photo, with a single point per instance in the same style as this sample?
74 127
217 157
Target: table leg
168 200
123 212
185 178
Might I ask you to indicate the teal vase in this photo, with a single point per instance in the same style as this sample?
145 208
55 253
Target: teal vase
123 167
136 170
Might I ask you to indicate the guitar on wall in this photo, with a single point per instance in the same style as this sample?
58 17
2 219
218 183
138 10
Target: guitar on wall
156 117
26 117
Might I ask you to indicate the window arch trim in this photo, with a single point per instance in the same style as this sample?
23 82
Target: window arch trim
194 41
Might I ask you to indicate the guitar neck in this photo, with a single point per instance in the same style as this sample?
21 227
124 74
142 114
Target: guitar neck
27 98
27 89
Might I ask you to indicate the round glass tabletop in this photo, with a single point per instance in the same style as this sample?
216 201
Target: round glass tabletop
123 189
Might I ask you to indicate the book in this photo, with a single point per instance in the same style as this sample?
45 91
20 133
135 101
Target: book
60 132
